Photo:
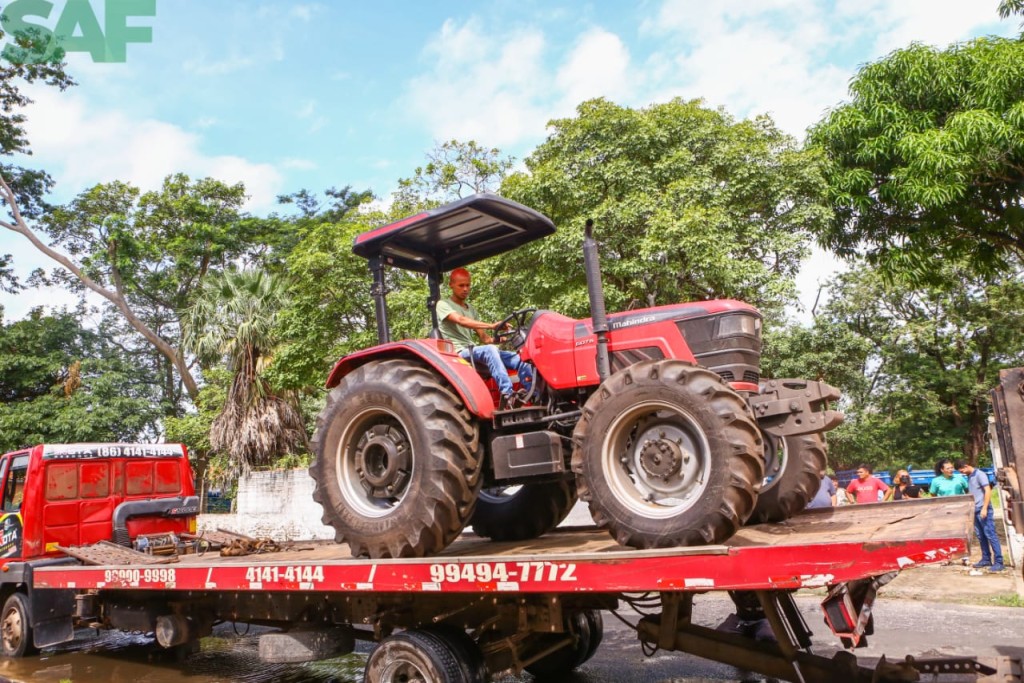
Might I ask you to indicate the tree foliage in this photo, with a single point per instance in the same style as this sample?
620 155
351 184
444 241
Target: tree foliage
232 318
688 203
28 186
928 355
146 253
925 163
62 383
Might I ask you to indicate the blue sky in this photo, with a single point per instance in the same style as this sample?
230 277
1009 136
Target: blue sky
290 95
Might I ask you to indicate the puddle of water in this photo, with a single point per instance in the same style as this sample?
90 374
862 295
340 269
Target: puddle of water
224 658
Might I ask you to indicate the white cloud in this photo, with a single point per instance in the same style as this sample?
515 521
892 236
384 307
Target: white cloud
597 67
482 87
81 147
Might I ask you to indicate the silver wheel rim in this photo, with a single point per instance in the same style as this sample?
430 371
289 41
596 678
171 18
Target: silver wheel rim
656 459
775 461
12 630
374 463
499 494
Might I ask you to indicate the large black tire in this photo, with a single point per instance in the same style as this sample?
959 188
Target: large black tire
16 628
520 513
414 656
397 466
559 664
667 455
467 651
794 465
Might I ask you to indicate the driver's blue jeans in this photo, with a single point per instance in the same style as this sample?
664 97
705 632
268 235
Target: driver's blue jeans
497 360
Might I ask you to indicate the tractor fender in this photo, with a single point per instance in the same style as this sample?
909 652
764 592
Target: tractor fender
466 382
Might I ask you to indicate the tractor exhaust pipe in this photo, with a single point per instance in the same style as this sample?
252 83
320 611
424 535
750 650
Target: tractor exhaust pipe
592 265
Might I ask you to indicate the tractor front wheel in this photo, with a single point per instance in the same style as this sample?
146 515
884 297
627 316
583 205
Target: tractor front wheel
793 470
397 467
667 455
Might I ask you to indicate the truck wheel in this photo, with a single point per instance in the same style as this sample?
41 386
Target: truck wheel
15 627
518 513
794 465
596 624
397 469
667 454
416 656
466 650
559 664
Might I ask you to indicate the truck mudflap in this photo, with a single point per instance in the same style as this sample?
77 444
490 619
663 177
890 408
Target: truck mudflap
788 407
49 611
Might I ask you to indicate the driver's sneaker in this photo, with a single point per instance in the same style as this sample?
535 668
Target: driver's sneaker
511 401
983 563
997 567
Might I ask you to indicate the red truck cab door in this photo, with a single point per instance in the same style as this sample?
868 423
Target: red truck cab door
13 470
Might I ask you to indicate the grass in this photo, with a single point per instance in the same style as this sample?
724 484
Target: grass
1008 600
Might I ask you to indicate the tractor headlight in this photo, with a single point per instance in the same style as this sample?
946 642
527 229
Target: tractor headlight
732 325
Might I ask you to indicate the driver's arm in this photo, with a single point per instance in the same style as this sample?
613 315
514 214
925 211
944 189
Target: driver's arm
480 326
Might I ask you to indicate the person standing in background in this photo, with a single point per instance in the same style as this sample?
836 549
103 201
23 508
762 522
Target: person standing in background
984 524
902 487
866 487
947 482
826 495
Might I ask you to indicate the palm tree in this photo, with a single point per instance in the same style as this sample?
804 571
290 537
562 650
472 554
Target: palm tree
232 319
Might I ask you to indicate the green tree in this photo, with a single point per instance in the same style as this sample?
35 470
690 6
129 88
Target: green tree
18 185
146 253
60 383
688 204
232 318
925 163
454 169
934 352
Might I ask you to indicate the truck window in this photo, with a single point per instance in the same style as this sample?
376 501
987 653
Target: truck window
14 485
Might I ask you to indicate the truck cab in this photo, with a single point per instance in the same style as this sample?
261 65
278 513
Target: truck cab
61 496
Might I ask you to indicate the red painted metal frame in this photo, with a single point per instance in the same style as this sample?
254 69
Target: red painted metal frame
703 569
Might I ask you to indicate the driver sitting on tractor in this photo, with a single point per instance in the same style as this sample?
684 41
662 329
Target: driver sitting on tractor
458 320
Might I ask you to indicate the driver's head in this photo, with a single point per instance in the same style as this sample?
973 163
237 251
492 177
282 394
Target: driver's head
459 281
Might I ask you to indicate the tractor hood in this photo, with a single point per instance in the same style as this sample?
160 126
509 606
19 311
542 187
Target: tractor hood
455 234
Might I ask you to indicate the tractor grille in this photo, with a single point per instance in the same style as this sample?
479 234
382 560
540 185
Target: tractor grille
748 376
734 356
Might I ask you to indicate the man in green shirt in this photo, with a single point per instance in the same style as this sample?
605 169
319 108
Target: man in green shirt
461 325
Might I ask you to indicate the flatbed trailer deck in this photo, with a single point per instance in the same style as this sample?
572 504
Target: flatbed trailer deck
811 550
534 605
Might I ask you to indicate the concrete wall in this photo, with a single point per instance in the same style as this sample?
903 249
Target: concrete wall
277 504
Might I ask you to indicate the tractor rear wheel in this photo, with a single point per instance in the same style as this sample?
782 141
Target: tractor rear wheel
397 466
794 465
667 455
519 513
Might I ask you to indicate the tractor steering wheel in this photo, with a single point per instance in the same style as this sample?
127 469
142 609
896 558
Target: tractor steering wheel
512 328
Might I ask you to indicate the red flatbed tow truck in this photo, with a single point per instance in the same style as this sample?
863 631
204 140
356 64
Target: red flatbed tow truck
484 606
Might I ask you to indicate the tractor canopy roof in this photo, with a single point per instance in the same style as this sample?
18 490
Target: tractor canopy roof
454 235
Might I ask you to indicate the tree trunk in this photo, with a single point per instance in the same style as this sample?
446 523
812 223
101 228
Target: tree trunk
172 354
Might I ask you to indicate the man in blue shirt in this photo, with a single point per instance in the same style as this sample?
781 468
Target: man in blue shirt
984 525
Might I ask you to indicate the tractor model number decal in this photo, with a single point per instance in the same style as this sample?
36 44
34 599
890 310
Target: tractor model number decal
486 572
162 575
295 574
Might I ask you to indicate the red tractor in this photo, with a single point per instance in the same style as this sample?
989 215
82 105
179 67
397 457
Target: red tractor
658 418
